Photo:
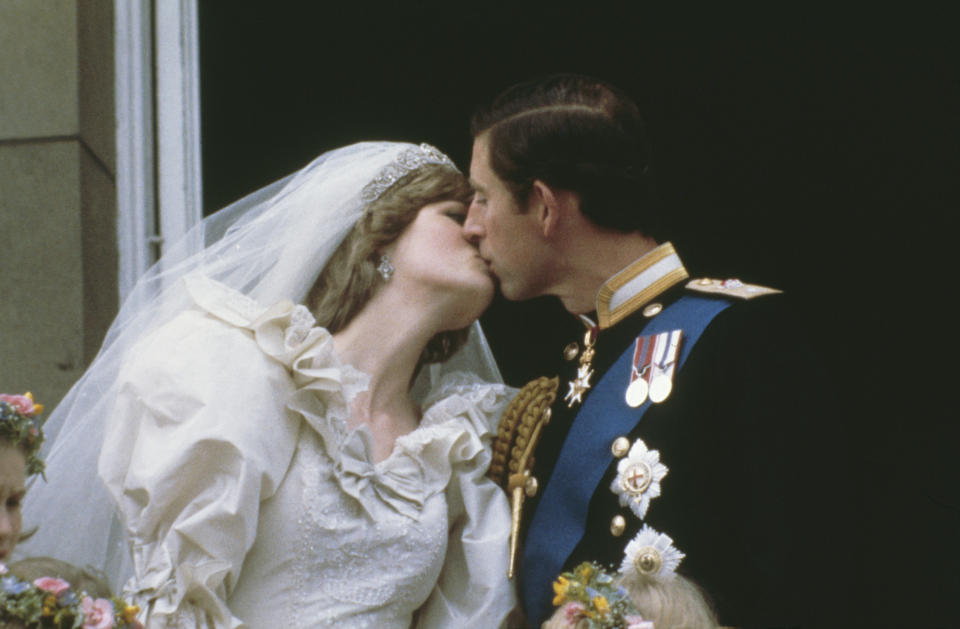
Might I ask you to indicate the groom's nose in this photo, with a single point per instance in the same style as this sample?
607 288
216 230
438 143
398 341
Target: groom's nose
473 225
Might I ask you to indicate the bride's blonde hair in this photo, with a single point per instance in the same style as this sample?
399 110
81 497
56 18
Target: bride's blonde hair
350 277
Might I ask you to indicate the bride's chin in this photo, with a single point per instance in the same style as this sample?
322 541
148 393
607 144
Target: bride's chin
469 308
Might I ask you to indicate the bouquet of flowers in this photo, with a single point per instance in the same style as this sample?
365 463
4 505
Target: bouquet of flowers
592 594
52 603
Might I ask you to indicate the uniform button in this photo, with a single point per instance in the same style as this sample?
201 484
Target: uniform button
617 526
530 487
620 447
652 310
570 351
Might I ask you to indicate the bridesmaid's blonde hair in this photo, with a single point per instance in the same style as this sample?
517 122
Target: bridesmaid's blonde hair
675 603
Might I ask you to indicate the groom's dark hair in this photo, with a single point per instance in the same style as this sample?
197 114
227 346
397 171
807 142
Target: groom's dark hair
573 133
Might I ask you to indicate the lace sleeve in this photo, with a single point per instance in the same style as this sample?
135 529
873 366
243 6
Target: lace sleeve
196 441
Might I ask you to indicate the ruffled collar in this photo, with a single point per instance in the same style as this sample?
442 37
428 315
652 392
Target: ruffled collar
455 428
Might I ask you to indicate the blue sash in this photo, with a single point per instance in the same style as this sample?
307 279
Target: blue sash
560 520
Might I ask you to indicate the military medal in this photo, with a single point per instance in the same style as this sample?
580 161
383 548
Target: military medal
637 392
664 365
654 363
581 383
660 389
638 388
638 478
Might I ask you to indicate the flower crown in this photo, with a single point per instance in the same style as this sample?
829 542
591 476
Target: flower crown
406 162
54 603
21 427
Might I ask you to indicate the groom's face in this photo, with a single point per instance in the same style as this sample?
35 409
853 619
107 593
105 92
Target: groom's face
509 238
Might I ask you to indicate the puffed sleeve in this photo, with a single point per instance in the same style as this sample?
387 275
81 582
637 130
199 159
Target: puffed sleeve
199 436
473 591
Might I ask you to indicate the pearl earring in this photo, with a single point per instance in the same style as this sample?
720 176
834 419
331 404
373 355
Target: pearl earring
385 268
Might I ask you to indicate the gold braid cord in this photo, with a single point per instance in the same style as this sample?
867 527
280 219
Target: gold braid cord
522 420
517 436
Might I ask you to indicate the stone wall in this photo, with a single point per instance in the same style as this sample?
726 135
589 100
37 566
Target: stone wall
58 258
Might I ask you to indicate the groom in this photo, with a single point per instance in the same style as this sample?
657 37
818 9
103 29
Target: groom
687 406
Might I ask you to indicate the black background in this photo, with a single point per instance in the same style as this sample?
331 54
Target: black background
809 149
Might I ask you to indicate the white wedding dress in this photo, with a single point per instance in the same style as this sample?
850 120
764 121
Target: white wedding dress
248 502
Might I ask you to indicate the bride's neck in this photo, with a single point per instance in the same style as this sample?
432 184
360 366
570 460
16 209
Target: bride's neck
385 341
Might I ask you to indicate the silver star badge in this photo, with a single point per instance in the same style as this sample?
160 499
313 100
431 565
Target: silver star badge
579 386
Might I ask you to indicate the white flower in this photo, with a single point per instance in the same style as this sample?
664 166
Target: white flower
649 555
638 478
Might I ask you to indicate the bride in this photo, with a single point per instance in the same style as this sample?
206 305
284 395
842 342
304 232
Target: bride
284 465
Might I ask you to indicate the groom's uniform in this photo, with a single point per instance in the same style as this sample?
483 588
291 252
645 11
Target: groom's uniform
726 403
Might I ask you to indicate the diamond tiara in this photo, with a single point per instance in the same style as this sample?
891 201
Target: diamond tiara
406 162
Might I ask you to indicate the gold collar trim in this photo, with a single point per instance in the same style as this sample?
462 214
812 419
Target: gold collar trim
638 284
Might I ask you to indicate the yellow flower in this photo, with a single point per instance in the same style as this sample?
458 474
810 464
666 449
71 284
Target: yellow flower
130 613
560 589
601 604
584 572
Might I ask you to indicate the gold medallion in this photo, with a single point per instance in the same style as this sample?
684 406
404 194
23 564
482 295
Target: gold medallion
570 351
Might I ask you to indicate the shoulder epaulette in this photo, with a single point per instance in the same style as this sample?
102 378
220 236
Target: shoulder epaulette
730 287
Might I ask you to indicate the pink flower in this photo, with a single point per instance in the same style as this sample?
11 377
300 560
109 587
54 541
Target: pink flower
22 403
98 614
573 611
52 584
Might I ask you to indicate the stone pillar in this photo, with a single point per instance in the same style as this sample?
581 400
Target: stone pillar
58 258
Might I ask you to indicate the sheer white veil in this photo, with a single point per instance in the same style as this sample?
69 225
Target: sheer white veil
271 246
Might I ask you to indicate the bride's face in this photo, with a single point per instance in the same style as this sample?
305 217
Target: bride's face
433 253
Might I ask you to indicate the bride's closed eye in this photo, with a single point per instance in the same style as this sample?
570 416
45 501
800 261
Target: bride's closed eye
460 216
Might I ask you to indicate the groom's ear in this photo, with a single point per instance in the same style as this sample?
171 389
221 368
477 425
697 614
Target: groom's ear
552 207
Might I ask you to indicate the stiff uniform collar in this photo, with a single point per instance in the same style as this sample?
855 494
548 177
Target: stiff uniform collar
638 284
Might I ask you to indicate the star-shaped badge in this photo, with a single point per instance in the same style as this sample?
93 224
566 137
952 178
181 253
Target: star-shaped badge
638 478
579 386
